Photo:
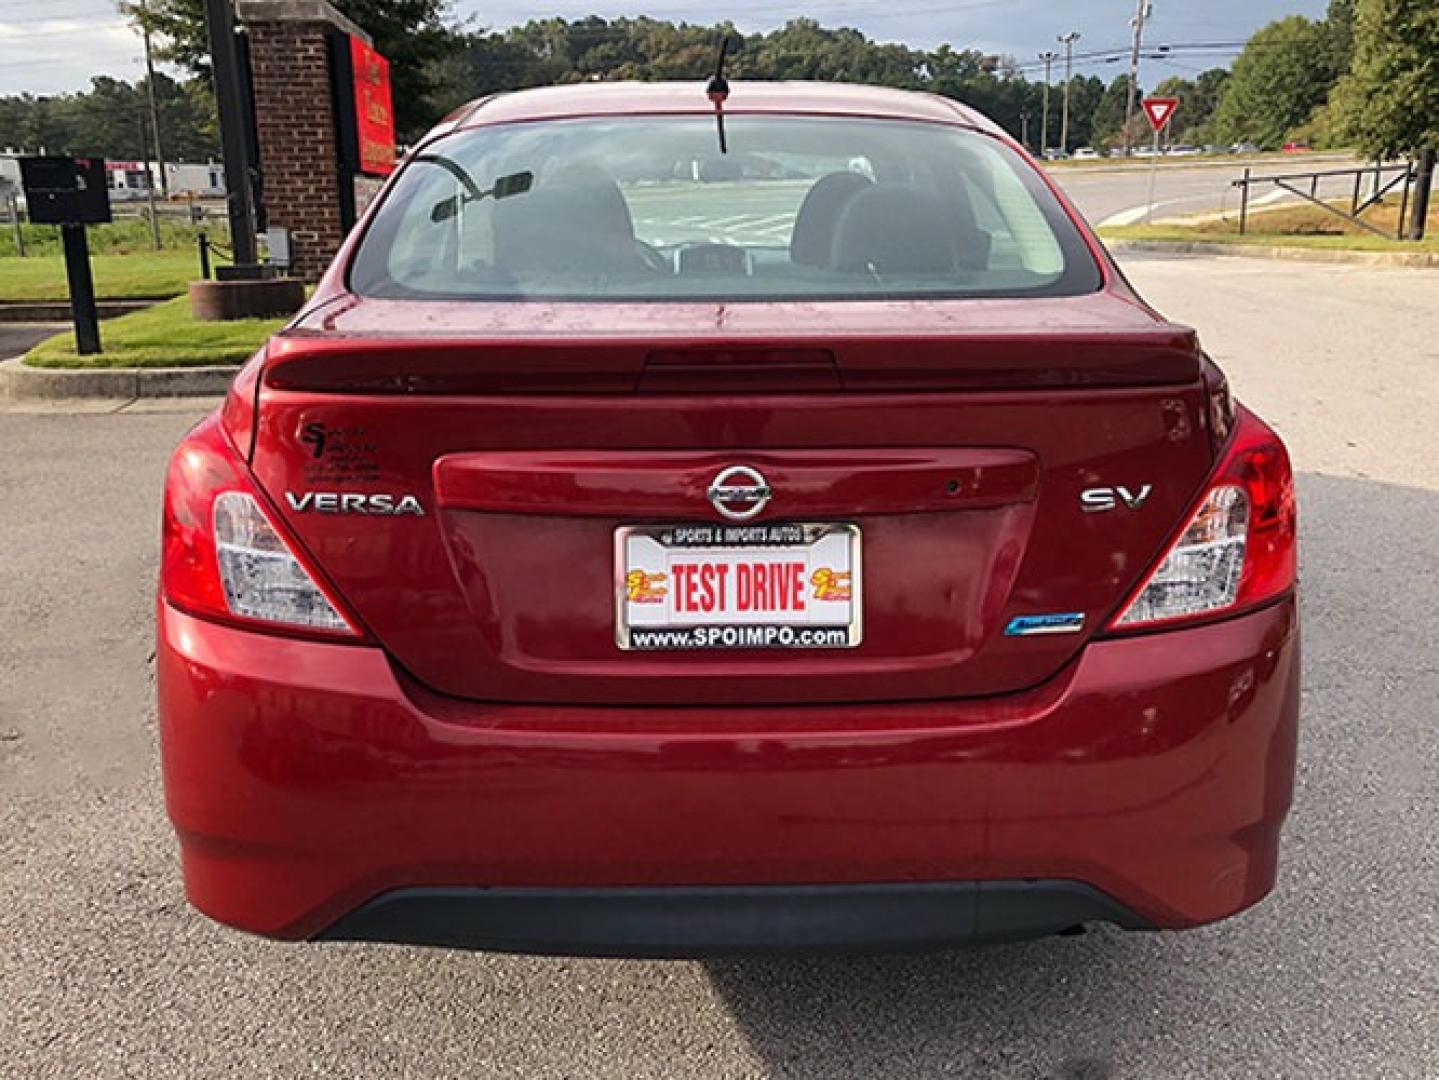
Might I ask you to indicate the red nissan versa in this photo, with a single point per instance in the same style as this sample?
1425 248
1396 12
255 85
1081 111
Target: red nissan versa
644 544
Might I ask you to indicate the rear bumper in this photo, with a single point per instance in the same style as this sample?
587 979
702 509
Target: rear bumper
691 921
307 781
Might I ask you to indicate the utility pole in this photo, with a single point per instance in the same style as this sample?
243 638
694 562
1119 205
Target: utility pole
1024 128
1067 40
144 10
1048 58
149 184
1142 11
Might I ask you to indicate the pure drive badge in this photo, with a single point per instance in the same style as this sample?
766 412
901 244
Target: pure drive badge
353 502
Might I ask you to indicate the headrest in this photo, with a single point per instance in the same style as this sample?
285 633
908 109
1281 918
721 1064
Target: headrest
565 226
973 242
813 236
894 229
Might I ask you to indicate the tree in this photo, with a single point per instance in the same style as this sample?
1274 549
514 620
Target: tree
1388 103
187 118
105 121
1208 89
1107 125
1198 99
413 35
1337 37
44 123
114 120
1278 81
1085 94
1176 86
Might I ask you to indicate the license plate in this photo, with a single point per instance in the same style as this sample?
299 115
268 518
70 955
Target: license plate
781 586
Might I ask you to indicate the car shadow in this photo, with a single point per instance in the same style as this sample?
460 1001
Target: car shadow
1238 998
976 1012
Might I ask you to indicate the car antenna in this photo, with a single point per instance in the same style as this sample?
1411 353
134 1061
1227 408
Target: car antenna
718 90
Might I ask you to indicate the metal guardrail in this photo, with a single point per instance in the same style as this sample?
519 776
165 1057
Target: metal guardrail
1401 175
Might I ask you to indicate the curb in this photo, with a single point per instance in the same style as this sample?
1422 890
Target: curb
21 383
1118 165
59 310
1423 259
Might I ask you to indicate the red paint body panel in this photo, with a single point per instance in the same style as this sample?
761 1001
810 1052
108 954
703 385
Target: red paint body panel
485 729
673 98
305 778
518 605
823 483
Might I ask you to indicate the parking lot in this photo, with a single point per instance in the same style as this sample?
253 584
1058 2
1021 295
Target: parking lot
105 972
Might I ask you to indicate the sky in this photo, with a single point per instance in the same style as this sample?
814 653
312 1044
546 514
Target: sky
51 46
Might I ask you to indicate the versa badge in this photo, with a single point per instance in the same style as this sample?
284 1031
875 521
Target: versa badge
353 502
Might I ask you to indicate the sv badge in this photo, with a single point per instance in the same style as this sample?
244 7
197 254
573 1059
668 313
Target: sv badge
1098 500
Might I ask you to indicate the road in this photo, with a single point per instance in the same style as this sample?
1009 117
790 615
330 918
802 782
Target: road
1120 195
105 972
763 214
16 339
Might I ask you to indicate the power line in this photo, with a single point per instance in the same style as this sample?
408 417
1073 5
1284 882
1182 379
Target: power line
1176 64
1155 52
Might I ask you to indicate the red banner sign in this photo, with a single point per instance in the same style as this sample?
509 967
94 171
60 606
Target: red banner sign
374 114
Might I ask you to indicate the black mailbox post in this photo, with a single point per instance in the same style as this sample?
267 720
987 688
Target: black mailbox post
71 193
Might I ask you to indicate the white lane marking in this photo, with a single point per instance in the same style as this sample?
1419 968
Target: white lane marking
1134 214
730 222
1137 214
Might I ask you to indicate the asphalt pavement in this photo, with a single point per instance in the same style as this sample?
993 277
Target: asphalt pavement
1118 194
1121 194
16 339
105 972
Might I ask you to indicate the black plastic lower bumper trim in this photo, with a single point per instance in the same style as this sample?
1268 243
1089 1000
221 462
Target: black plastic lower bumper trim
727 920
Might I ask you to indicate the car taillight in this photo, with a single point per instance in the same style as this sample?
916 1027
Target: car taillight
1237 548
224 557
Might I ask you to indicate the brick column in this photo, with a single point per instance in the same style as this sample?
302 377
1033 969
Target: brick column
295 121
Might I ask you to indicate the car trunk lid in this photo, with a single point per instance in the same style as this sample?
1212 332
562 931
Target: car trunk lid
542 462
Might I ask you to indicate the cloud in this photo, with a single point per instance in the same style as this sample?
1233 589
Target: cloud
55 55
45 55
1020 28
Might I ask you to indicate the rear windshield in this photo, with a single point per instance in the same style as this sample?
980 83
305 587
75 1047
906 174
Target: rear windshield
648 208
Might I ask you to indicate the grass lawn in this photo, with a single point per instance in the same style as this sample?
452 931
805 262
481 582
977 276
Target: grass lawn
1289 226
161 336
140 275
123 236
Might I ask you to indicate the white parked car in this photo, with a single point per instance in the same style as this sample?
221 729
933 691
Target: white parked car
1085 153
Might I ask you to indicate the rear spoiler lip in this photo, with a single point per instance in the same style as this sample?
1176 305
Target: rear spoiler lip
1160 355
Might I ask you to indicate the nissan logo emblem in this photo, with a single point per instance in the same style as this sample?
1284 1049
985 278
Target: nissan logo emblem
739 492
